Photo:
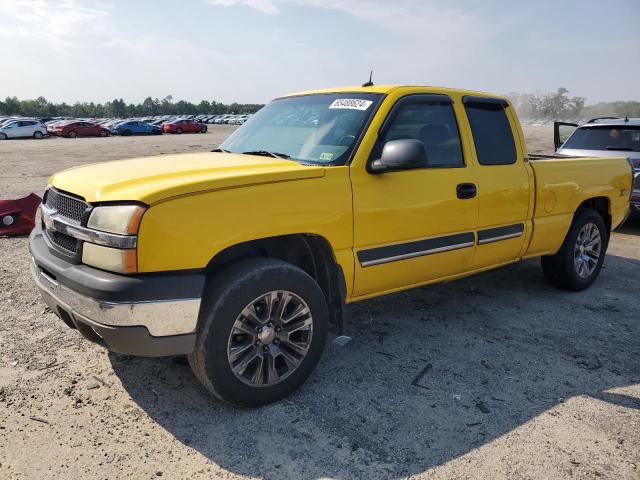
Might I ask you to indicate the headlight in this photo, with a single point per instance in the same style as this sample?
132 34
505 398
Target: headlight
120 219
120 224
111 259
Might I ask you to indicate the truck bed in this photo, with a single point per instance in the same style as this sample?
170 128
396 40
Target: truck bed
562 184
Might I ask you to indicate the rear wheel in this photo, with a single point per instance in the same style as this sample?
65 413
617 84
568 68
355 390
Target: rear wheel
37 135
203 130
104 133
3 136
579 260
72 134
261 332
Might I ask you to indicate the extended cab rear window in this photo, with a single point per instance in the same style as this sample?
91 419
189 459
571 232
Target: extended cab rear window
491 131
622 138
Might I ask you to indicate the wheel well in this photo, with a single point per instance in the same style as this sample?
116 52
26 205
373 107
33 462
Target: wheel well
600 205
311 253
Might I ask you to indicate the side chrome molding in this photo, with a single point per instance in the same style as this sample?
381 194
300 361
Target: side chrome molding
500 233
419 248
429 246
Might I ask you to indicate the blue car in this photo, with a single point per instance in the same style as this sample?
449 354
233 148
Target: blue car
134 127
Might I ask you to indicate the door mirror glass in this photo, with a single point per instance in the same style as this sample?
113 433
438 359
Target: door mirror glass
404 154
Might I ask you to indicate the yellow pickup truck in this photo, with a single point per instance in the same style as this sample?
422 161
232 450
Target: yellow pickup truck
243 258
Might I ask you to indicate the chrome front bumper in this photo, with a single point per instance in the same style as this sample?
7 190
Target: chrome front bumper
160 317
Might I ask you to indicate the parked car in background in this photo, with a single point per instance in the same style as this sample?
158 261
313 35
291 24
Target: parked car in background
134 127
22 128
601 137
73 129
184 125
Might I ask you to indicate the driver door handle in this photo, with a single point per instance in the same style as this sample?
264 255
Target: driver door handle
466 190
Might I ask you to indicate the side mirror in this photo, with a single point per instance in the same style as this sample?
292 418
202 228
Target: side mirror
404 154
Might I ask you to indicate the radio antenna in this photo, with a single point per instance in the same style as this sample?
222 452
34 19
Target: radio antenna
370 82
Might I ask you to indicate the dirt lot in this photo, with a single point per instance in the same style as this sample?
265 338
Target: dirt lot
520 380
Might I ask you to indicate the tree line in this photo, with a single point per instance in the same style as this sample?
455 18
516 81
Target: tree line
118 108
559 105
546 106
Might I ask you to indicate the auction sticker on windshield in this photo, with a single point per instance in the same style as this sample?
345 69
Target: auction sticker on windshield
351 103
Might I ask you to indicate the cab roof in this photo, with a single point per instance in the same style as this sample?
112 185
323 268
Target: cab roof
386 89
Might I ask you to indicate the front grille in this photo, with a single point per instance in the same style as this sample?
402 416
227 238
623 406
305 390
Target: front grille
63 241
66 206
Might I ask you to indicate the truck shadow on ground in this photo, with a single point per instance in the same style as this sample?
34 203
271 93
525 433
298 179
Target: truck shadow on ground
429 375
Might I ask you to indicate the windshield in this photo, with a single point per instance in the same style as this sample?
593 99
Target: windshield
320 128
624 138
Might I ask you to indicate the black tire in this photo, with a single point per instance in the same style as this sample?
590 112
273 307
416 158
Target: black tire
3 136
225 296
72 134
203 130
560 269
103 133
126 133
37 135
178 131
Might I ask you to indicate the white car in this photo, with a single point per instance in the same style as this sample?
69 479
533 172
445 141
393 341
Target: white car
22 128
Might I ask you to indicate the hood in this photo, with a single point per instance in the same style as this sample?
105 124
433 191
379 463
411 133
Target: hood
152 179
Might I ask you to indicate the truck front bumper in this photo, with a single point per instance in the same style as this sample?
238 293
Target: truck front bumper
150 315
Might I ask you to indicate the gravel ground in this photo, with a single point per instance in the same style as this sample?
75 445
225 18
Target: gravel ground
494 376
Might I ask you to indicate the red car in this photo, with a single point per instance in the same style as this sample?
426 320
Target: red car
79 129
184 126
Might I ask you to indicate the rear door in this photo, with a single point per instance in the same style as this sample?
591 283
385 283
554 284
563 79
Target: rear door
562 131
27 128
505 181
82 129
24 129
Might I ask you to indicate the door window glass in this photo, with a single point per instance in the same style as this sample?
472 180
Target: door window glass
492 133
434 124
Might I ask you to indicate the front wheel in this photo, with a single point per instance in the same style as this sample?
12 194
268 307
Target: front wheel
178 131
261 332
3 136
579 260
37 135
72 134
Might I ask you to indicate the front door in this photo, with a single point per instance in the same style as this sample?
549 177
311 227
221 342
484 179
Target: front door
416 225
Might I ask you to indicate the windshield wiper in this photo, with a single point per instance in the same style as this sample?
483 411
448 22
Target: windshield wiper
222 150
266 153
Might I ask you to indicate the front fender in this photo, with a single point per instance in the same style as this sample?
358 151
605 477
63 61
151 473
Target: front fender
188 231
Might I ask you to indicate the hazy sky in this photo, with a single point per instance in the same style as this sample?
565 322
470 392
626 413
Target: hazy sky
254 50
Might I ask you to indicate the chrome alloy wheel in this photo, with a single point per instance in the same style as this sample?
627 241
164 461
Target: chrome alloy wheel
587 250
270 338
